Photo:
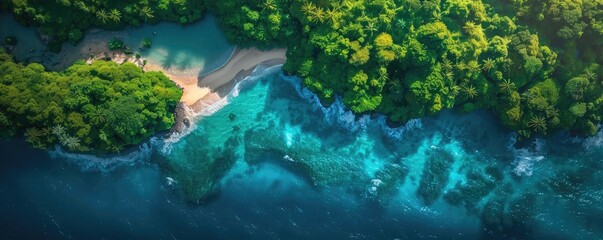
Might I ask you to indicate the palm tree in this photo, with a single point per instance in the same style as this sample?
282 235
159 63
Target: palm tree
449 75
370 27
473 66
470 27
332 16
552 112
307 8
318 15
116 148
383 77
59 131
71 142
103 136
470 91
488 64
526 96
436 15
538 124
455 90
102 15
270 5
447 64
115 15
506 86
590 75
460 66
97 116
400 23
349 5
33 135
147 12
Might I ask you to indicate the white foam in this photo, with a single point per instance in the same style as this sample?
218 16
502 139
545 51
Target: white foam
592 143
288 158
527 157
337 113
257 73
260 71
92 163
399 132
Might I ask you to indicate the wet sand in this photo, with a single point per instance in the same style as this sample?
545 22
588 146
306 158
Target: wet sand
200 92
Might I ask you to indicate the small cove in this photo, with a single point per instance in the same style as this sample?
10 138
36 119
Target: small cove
180 50
274 162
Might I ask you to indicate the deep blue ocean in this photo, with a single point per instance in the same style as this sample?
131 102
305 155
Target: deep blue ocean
270 162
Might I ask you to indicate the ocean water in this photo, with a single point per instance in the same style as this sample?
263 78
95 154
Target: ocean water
180 50
270 162
28 42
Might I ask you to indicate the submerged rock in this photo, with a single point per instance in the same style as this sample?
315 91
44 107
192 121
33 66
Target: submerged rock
435 175
306 156
198 178
472 192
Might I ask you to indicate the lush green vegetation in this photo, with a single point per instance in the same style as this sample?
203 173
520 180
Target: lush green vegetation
146 43
116 44
100 107
536 64
64 20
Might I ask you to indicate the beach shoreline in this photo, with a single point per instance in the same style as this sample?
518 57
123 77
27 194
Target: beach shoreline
202 91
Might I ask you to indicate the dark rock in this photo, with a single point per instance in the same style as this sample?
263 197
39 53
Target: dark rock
182 117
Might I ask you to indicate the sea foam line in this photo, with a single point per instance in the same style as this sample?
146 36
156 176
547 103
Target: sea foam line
93 163
337 113
525 158
591 143
166 146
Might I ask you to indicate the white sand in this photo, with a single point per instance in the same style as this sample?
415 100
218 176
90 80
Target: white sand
199 92
202 91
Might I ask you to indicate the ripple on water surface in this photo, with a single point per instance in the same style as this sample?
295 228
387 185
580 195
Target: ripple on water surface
464 162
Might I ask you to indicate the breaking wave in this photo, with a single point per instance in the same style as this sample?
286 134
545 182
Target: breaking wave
93 163
525 158
338 114
165 147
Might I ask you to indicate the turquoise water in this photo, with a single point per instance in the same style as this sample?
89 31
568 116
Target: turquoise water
181 50
273 163
29 44
454 170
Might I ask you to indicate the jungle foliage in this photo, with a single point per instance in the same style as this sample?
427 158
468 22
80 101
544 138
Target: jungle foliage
66 20
102 107
535 63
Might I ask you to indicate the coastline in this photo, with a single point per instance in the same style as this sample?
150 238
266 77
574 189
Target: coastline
202 91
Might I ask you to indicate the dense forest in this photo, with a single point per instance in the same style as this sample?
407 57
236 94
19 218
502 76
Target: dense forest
102 107
534 63
67 20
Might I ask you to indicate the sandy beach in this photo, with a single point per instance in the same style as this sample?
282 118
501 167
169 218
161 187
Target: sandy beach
200 92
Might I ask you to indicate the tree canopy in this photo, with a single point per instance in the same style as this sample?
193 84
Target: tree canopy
535 63
64 20
411 58
101 107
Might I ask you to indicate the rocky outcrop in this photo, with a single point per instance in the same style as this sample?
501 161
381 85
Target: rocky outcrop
183 115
